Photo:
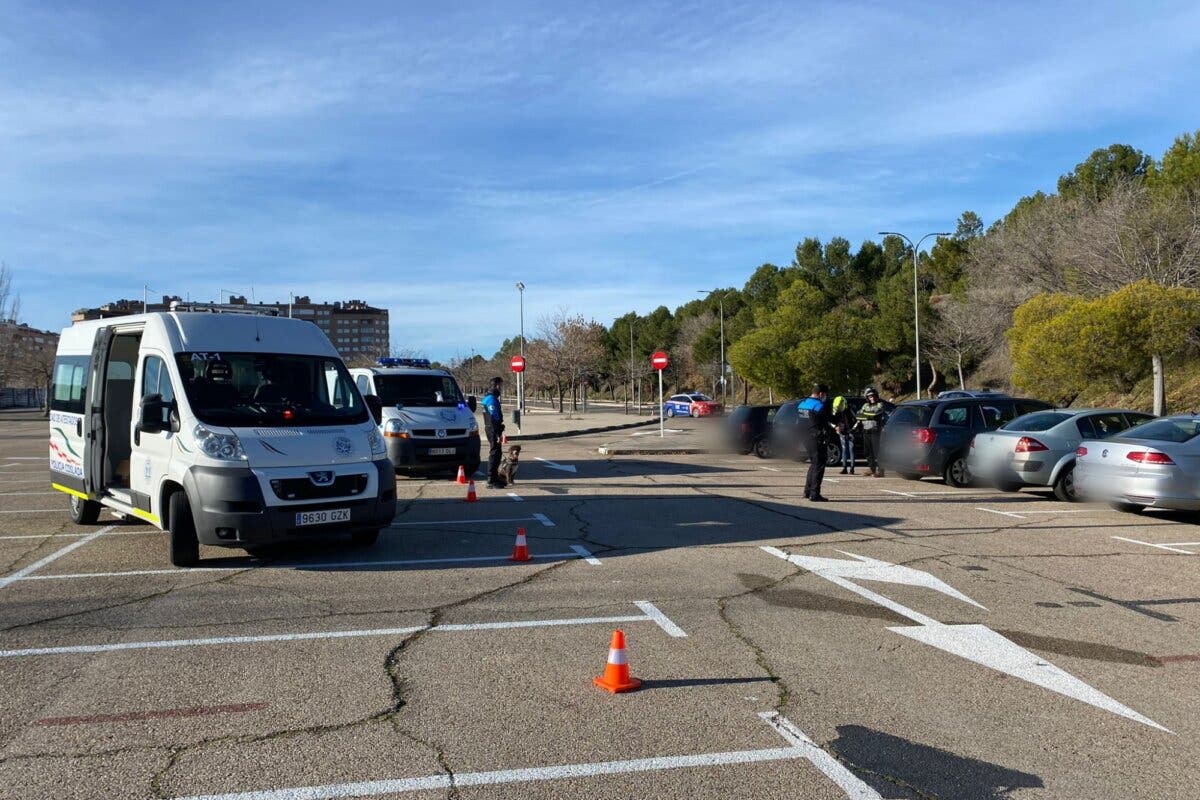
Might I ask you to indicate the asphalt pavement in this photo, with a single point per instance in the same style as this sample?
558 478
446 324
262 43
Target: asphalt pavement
905 640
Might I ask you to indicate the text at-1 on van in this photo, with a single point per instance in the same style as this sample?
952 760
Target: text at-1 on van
228 429
427 424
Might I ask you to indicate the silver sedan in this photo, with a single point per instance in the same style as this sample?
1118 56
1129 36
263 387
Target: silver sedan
1038 449
1155 465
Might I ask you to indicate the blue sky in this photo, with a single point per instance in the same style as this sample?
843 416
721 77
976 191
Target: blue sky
613 156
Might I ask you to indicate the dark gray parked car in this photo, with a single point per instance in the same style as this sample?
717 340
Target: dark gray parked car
932 437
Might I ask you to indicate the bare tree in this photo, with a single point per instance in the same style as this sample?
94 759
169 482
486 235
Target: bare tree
960 334
573 347
10 313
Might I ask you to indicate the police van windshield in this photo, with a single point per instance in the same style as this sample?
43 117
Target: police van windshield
235 389
418 390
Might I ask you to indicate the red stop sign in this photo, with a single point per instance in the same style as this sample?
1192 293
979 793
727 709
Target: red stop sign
517 363
659 360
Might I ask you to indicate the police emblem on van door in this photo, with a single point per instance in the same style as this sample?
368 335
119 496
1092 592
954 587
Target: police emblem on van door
448 416
343 446
322 477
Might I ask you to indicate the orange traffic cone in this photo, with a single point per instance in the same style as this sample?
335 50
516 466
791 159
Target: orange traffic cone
521 549
471 496
462 476
616 671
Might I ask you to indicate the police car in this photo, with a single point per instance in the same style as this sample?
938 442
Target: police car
427 423
691 404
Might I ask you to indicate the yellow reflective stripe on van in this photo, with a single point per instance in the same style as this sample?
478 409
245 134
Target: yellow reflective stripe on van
146 515
72 492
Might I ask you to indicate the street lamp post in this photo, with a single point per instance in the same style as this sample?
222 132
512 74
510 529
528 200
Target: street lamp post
521 374
916 301
721 302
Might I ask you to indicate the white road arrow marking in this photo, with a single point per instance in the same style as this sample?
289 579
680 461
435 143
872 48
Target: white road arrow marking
973 642
871 569
984 646
553 465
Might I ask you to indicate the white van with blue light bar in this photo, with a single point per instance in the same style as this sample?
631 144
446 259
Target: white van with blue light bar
221 426
428 425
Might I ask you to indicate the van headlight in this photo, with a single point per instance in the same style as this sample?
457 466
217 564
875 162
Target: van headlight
222 446
377 448
394 429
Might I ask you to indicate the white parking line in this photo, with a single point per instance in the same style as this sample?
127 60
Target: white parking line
1174 547
1004 513
800 747
586 554
516 497
28 494
902 494
436 522
351 634
37 510
35 566
141 532
771 469
661 619
321 566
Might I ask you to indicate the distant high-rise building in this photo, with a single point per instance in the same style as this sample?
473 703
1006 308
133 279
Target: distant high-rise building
357 329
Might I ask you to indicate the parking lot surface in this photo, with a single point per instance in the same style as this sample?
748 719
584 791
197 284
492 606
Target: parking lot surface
906 640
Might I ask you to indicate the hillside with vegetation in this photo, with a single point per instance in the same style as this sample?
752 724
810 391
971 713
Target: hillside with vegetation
1086 295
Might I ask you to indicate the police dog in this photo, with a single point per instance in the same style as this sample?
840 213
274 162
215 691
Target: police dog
510 462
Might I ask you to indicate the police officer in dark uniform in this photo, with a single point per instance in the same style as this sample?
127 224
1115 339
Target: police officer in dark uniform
493 428
815 409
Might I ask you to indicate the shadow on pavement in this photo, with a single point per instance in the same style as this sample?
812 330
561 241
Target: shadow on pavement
930 771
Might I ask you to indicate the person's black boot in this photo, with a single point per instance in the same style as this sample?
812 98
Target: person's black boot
843 470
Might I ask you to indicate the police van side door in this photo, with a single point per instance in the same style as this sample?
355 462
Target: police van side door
151 452
94 435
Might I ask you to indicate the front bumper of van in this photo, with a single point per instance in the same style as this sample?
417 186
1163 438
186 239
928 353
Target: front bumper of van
230 511
424 454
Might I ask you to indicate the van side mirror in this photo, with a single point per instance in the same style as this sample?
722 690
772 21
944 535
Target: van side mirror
150 414
375 405
472 403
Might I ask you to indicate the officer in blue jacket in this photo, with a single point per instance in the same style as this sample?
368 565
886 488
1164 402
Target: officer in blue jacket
816 422
493 428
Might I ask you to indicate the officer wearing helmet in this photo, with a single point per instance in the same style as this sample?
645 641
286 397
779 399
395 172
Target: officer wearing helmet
817 423
872 416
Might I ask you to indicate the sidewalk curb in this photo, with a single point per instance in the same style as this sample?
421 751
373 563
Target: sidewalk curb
531 437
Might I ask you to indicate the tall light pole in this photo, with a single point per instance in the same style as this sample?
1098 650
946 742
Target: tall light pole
521 374
916 301
721 301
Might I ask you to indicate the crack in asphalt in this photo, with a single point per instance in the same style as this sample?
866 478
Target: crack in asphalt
395 676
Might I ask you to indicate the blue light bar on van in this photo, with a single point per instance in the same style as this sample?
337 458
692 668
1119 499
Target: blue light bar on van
388 361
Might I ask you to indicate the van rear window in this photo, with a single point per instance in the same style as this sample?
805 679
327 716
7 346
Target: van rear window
70 384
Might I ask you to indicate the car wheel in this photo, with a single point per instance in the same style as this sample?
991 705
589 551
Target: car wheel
762 448
1007 486
84 512
1128 508
670 412
957 474
364 538
833 454
185 547
695 413
1064 487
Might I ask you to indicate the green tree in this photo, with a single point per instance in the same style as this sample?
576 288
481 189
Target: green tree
1096 175
1180 166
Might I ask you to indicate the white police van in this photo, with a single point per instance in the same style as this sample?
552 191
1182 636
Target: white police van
427 423
220 426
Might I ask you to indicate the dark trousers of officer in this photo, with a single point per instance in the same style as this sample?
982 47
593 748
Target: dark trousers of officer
494 454
814 446
873 438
